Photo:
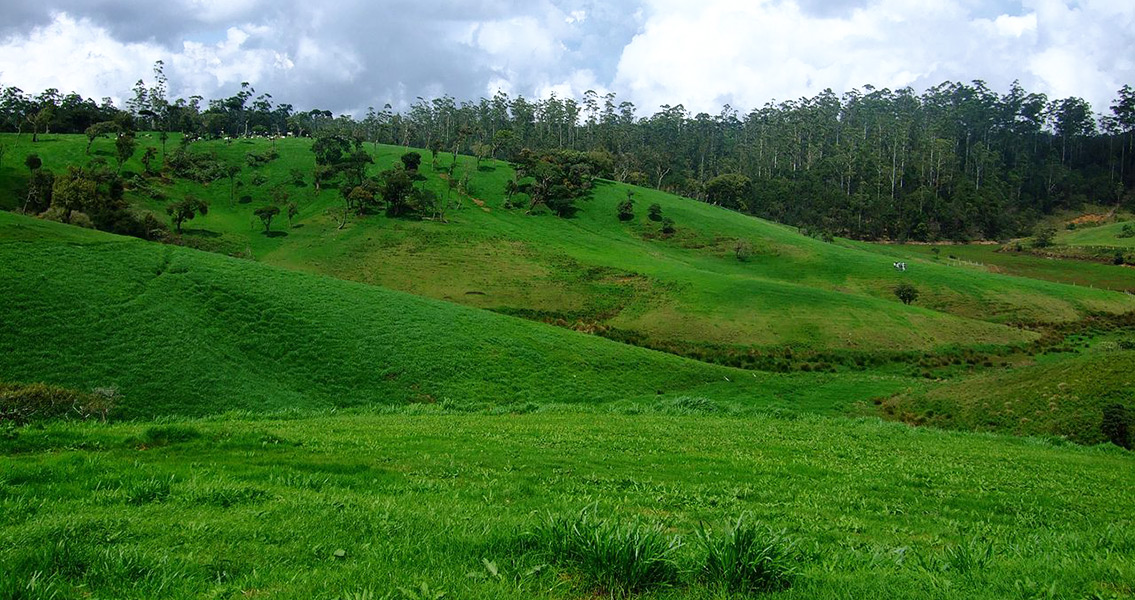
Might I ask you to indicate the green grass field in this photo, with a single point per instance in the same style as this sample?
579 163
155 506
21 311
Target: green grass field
183 332
294 424
378 507
1103 235
993 259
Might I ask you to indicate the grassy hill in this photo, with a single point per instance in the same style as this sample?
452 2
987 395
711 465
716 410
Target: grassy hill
1102 235
595 270
1059 397
183 332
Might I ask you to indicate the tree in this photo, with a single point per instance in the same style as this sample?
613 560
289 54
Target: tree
293 210
654 212
668 226
124 147
906 292
186 209
626 207
412 160
730 190
1116 425
148 157
266 214
98 130
1044 236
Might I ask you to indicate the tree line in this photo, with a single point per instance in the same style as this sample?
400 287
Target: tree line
959 161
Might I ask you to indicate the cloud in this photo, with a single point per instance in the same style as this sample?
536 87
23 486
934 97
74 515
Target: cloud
350 54
748 53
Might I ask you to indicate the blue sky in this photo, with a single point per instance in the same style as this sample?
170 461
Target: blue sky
350 54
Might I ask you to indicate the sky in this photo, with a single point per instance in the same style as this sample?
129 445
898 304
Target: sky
347 55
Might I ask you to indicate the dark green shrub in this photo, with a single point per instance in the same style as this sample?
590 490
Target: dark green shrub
1116 425
654 212
906 292
22 403
748 558
164 435
667 225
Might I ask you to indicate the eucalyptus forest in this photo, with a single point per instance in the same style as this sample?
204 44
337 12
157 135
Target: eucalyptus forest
957 162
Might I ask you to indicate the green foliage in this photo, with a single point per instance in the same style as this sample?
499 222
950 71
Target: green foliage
906 292
626 207
731 190
748 558
266 214
616 558
555 180
411 161
668 226
24 403
1117 424
1127 231
186 209
743 250
1044 236
654 212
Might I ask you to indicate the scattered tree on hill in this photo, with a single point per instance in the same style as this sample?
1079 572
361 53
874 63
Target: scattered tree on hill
626 207
73 192
555 180
906 292
412 160
186 209
654 212
1116 425
1044 236
100 129
124 147
397 190
148 157
266 214
293 210
668 226
730 190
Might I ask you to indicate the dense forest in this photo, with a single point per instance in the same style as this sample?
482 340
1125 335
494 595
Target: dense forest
957 162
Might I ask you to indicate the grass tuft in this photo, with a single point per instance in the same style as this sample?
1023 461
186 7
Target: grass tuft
615 558
748 558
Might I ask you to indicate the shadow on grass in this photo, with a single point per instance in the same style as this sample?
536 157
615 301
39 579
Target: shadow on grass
276 234
205 233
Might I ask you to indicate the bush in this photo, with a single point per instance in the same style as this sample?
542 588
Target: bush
1116 425
22 403
654 212
748 559
742 249
906 292
667 225
618 559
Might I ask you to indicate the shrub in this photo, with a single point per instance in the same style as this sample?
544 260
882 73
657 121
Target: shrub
618 559
742 249
748 559
164 435
667 225
906 292
654 212
22 403
1116 425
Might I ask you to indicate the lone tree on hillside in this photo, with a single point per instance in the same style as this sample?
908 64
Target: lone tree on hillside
626 207
906 292
186 209
124 147
266 213
654 212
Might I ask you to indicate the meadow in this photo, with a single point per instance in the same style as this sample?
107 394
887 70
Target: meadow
432 408
412 506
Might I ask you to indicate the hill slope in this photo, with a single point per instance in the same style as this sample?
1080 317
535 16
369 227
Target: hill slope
688 288
192 333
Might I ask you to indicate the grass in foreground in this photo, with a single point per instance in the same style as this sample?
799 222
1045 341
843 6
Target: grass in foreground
403 506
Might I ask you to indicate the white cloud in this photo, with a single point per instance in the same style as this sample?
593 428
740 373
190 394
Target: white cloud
748 53
72 55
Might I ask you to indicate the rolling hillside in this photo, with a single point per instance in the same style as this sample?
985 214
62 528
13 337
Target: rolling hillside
184 332
594 270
